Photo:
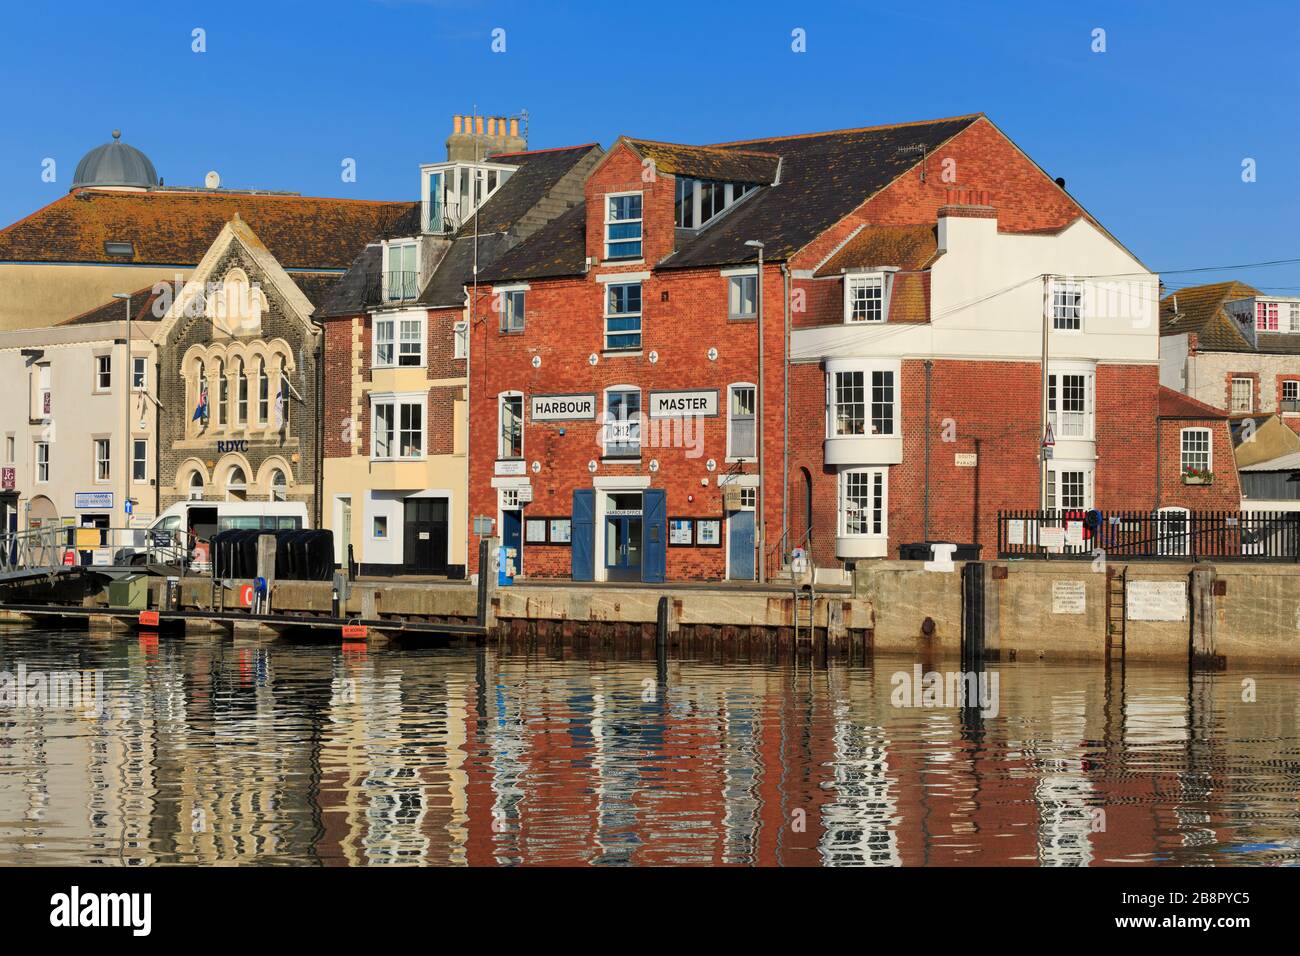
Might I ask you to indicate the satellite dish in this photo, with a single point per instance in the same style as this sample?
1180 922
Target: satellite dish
212 180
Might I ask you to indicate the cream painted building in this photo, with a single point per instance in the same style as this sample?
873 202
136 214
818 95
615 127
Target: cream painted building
75 444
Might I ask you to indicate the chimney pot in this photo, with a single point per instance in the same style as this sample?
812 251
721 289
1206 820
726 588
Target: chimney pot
478 125
492 126
455 124
514 127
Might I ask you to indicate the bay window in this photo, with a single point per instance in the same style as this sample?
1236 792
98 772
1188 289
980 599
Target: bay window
1069 487
863 507
398 426
399 341
1070 404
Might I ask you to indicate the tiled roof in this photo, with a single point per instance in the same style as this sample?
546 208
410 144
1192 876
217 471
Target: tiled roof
904 247
176 228
456 270
1200 311
1173 404
710 162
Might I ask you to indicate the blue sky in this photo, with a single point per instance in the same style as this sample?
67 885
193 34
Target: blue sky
1150 135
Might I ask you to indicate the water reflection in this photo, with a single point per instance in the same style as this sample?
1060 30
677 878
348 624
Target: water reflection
213 752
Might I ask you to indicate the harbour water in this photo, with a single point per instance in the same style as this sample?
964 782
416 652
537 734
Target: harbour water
212 752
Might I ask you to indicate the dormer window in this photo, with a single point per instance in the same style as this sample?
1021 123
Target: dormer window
864 298
699 200
1266 316
401 273
451 192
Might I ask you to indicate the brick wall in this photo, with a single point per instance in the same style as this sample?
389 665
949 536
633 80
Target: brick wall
1224 494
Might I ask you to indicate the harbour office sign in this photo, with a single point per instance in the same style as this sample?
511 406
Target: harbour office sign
564 408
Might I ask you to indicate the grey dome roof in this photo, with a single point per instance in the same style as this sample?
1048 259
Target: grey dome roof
115 164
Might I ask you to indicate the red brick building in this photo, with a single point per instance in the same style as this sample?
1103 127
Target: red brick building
620 427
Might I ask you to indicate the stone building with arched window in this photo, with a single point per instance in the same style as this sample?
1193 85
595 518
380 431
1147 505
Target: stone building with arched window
239 381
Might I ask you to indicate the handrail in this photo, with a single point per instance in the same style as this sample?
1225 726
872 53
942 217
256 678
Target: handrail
50 547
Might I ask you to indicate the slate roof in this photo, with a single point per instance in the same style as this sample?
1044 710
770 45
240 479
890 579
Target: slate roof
1174 404
559 248
539 172
823 177
142 301
349 294
710 162
456 270
177 228
1201 311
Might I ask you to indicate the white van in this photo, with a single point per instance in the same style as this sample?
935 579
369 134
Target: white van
188 526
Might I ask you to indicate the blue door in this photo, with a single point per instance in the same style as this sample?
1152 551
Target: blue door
740 545
511 536
654 565
582 535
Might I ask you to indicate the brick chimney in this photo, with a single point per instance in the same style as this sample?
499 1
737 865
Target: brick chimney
962 206
481 137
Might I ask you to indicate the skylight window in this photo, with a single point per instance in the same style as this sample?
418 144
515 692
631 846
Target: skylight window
119 248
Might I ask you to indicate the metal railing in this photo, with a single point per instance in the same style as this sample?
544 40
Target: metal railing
440 218
1168 535
64 546
400 286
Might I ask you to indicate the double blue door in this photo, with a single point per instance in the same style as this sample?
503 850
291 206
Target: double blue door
634 546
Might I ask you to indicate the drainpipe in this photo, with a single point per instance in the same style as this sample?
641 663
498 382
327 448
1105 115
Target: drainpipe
925 533
319 406
785 418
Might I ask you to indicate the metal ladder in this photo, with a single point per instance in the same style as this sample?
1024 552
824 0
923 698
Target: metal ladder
805 605
1115 611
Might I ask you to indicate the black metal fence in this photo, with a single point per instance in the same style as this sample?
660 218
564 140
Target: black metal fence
1166 535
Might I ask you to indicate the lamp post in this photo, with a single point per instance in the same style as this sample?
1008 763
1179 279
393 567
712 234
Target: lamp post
758 416
125 451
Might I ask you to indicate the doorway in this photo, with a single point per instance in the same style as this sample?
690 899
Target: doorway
623 543
425 536
512 539
740 545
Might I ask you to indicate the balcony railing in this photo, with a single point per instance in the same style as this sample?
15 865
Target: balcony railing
441 218
398 287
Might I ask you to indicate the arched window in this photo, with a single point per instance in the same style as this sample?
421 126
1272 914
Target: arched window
236 484
223 393
279 485
196 485
282 397
263 394
241 388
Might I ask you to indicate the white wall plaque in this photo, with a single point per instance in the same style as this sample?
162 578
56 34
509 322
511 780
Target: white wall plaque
1069 597
965 459
1157 600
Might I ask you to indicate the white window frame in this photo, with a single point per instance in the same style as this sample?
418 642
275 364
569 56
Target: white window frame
143 362
731 418
866 281
402 342
135 444
41 460
1282 399
103 464
1184 452
104 372
1056 375
1054 470
1067 316
502 451
397 401
640 317
878 501
640 220
460 340
634 425
406 294
1250 395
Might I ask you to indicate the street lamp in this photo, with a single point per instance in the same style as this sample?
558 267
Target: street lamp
762 537
126 407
